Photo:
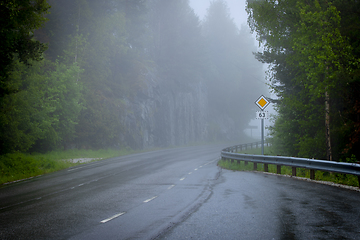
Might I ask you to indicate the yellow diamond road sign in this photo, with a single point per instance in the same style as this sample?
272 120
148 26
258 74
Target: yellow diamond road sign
262 102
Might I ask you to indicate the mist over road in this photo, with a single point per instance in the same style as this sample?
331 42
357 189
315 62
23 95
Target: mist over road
174 194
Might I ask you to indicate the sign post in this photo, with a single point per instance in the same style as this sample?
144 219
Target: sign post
262 103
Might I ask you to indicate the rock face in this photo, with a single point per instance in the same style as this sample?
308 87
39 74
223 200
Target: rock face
162 115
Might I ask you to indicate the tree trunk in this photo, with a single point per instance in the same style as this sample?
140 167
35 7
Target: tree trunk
327 127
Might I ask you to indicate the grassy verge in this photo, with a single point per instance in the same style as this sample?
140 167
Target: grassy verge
17 166
345 179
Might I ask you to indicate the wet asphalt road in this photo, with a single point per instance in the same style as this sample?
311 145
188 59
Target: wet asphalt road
174 194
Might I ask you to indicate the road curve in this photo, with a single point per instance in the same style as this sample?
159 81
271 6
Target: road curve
174 194
134 196
254 205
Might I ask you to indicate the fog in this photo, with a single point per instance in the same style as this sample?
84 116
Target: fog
236 10
239 15
176 76
142 74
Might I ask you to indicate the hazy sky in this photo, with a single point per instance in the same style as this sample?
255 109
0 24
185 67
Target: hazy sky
237 9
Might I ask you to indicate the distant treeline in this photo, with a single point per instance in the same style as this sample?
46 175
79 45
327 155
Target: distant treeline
69 67
313 50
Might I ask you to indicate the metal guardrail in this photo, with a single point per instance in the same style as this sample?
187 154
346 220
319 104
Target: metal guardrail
245 146
312 164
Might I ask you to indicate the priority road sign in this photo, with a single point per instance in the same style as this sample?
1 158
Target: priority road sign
262 102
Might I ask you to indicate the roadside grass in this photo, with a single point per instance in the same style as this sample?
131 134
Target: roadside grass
338 178
18 166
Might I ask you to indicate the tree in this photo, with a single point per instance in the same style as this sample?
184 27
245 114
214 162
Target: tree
323 53
313 66
105 39
44 112
176 42
19 19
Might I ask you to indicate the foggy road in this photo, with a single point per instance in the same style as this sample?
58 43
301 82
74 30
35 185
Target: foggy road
174 194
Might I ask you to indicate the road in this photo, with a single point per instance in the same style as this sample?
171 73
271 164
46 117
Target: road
174 194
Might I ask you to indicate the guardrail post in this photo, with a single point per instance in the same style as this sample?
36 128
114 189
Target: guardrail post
246 163
359 180
294 171
278 169
266 167
312 174
255 166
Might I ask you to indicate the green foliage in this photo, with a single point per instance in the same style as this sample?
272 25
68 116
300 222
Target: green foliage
100 57
18 21
313 59
323 51
45 108
75 96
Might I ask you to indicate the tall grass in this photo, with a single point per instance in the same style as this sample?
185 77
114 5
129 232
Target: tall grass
17 166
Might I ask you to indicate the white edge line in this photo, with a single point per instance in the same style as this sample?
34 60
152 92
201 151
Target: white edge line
111 218
146 201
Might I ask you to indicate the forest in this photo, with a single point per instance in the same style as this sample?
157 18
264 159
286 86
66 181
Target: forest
313 50
95 74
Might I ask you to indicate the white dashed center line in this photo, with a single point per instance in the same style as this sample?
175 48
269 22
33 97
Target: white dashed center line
111 218
146 201
171 187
